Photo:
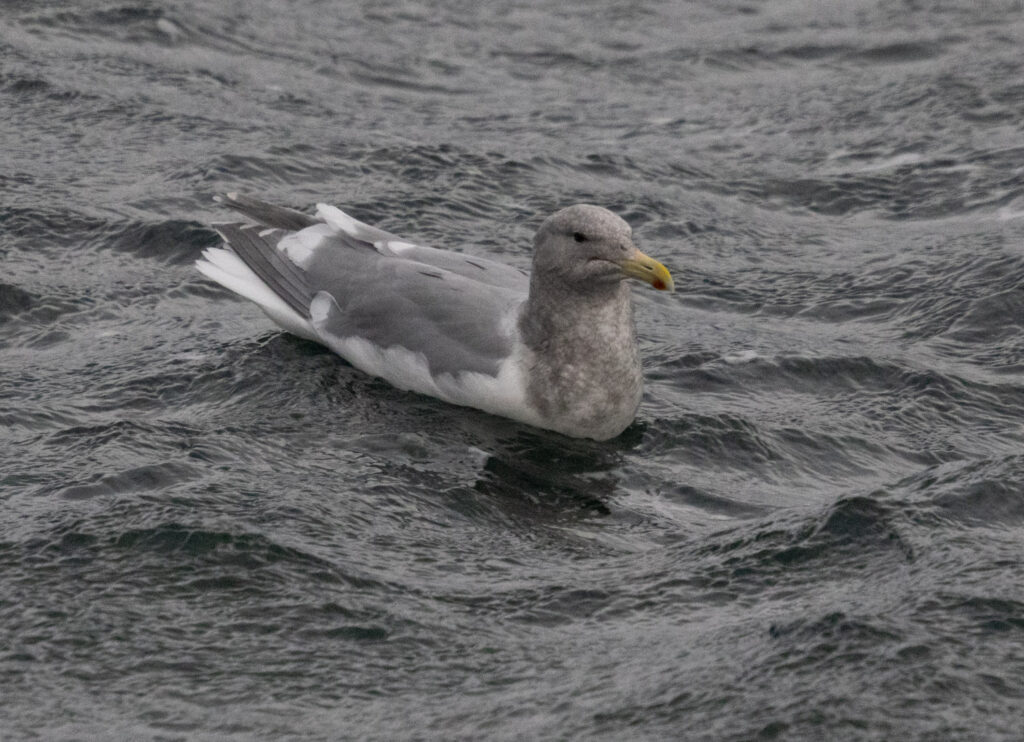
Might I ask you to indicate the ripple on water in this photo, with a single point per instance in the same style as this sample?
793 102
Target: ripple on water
813 529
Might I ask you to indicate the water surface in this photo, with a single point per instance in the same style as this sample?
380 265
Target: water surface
814 529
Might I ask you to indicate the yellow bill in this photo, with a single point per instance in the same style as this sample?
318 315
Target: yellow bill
648 270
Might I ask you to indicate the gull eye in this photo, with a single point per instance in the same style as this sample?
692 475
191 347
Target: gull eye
579 236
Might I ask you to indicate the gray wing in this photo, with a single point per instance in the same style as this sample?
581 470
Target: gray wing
452 308
457 323
258 249
482 270
490 272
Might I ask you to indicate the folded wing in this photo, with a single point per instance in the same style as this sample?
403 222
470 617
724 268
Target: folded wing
390 307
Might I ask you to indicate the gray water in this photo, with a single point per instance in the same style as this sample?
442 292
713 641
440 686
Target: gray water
815 528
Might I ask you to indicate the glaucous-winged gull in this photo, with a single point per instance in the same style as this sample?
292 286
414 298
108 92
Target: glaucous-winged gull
555 348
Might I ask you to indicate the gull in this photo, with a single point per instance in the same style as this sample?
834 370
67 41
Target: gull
554 348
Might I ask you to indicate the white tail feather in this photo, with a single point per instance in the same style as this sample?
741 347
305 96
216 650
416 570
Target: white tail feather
227 269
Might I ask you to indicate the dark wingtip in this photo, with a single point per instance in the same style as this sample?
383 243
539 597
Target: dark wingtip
265 213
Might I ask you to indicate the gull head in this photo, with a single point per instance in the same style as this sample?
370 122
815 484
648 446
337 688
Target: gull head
587 247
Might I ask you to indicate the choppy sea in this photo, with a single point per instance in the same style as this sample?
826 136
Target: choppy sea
210 530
